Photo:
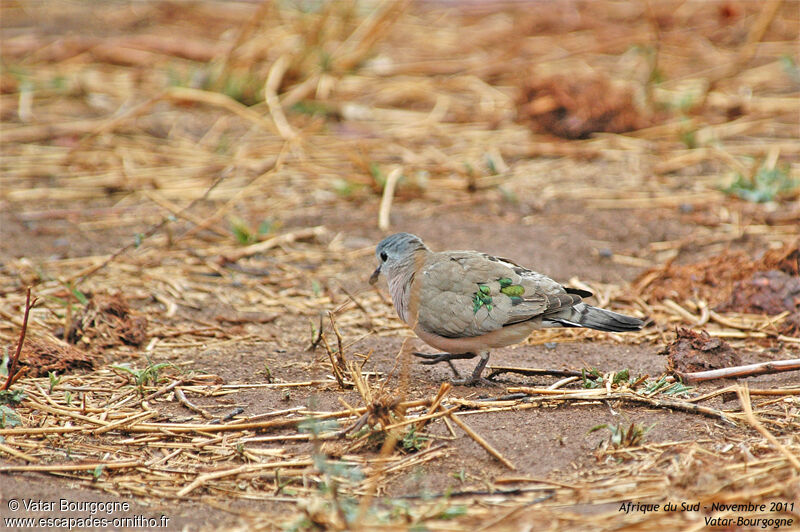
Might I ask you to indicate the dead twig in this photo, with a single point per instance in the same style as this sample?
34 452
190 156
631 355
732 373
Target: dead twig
338 364
444 388
602 395
747 408
483 443
12 366
315 341
61 468
529 372
185 402
271 86
280 240
387 197
749 370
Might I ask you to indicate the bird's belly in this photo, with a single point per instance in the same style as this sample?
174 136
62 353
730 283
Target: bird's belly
512 334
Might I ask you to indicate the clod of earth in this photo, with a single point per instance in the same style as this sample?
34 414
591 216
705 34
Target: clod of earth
108 321
692 351
769 292
790 326
42 356
575 108
713 280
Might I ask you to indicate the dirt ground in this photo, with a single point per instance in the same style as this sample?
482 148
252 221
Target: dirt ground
127 177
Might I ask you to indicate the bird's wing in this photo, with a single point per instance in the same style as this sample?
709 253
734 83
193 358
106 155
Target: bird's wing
466 293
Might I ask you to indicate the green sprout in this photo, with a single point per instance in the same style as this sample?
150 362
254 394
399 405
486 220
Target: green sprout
620 436
143 377
768 184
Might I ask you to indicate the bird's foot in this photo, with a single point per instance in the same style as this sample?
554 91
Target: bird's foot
436 358
476 378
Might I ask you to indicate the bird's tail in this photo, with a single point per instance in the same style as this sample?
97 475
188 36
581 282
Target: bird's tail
583 315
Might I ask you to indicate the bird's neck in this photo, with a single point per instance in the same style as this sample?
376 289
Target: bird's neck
402 287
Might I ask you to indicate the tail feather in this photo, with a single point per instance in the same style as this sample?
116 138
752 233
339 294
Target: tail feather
583 315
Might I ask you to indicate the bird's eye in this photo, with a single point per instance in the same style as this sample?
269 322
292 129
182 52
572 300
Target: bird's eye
383 256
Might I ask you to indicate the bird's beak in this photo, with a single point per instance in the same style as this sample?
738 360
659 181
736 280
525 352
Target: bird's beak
374 277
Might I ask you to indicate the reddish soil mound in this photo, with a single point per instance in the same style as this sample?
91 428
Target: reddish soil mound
40 357
574 108
718 280
108 321
692 351
769 292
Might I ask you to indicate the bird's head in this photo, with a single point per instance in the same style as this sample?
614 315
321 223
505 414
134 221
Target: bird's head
395 253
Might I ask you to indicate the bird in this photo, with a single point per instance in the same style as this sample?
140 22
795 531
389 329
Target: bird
467 303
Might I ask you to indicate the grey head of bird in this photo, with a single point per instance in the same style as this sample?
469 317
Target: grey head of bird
395 253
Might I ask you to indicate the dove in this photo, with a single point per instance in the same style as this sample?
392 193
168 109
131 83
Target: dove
467 303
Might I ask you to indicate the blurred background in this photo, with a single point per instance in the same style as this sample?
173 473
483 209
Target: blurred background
113 111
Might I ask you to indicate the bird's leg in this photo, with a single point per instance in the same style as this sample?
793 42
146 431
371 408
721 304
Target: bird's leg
436 358
476 378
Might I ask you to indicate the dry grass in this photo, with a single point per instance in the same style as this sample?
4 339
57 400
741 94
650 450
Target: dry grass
240 114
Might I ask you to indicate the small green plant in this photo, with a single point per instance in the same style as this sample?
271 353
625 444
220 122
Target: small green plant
451 512
377 174
143 377
345 188
655 386
98 471
413 442
592 378
621 377
12 397
8 400
240 85
54 380
4 363
790 67
665 387
768 184
245 234
80 296
678 388
460 475
242 231
75 295
620 436
490 164
280 484
689 138
310 107
8 417
316 288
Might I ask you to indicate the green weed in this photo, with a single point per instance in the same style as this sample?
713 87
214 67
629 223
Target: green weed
768 184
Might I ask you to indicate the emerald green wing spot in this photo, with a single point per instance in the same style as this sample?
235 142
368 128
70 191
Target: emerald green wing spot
481 298
513 290
504 282
476 304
